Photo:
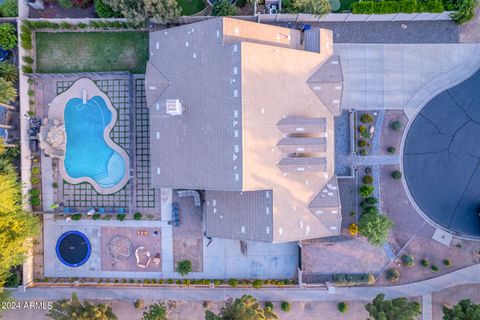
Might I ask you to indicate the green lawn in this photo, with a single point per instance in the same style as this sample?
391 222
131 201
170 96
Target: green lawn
91 51
346 4
190 7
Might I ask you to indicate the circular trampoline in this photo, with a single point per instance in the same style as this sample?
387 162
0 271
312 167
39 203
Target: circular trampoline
73 248
441 159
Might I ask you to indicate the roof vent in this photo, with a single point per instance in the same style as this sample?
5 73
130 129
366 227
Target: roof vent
174 107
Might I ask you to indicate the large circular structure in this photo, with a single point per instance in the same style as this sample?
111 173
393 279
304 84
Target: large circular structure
73 248
441 160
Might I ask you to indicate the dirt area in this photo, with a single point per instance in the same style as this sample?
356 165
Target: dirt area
182 310
452 296
188 237
413 235
140 237
54 10
38 254
389 137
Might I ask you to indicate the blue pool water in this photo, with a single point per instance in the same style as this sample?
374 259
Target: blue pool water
87 153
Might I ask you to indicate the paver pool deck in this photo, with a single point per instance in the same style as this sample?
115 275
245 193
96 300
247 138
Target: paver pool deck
441 159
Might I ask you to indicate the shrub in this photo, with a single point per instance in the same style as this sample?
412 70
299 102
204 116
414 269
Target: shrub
393 275
370 210
35 180
13 280
368 179
353 229
67 4
184 267
434 268
121 216
366 118
366 191
391 150
26 37
362 129
447 262
363 152
269 305
408 260
465 12
233 283
137 216
346 279
343 307
55 185
371 200
286 306
368 170
362 143
257 284
401 6
96 216
82 25
65 25
9 8
27 69
35 192
27 59
8 36
76 216
396 175
139 304
425 262
223 8
104 11
396 125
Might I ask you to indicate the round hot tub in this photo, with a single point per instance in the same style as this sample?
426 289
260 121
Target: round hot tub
73 248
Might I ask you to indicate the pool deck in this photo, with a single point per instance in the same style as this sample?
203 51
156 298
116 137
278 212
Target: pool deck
56 112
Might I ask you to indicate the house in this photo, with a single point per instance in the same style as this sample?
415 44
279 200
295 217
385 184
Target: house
245 112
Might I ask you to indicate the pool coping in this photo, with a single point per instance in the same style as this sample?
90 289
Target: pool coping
56 112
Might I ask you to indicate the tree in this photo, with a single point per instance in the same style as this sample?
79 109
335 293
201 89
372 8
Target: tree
8 71
74 309
316 7
375 227
245 308
184 267
223 8
7 91
396 309
104 11
366 191
139 12
8 36
156 311
464 310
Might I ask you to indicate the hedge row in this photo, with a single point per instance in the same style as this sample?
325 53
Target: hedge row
68 26
352 279
402 6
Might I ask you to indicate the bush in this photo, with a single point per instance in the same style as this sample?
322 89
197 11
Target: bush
393 275
362 143
401 6
363 152
67 4
184 267
8 36
447 262
137 216
368 170
233 283
27 59
9 8
269 305
35 192
66 25
396 125
121 216
96 216
391 150
346 279
366 191
408 260
35 180
465 12
370 210
286 306
139 304
13 280
104 11
366 118
223 8
76 216
257 284
343 307
396 175
434 268
425 262
27 69
362 129
371 200
368 179
26 37
54 185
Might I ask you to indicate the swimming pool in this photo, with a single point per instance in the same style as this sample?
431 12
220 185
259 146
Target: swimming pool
88 155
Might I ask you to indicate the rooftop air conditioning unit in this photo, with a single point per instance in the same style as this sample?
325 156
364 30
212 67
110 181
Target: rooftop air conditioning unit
174 107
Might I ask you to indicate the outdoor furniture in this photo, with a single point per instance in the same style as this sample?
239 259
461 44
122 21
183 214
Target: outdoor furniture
191 193
91 212
121 210
142 233
142 254
156 260
175 215
101 210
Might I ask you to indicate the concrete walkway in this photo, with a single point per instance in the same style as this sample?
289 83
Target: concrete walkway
427 306
467 275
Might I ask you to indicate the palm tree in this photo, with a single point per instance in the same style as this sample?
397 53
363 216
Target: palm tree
8 71
7 91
